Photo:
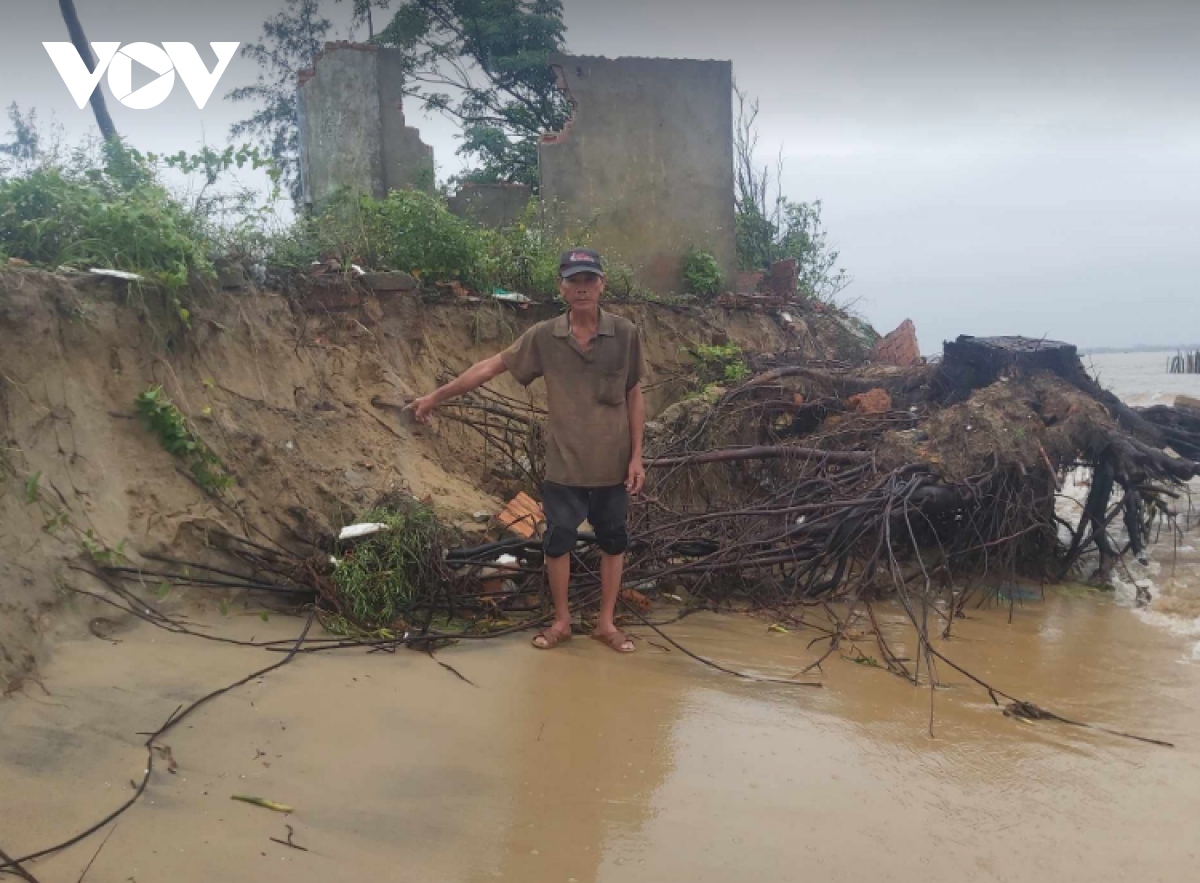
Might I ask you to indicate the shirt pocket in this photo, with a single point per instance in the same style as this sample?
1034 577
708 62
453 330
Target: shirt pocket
611 389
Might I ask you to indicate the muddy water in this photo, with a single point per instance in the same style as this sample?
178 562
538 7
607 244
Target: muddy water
584 765
1173 576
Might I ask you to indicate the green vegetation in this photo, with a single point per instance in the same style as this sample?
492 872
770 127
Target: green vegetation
99 552
485 65
724 364
291 41
482 63
102 211
410 231
771 227
178 438
32 491
701 273
104 205
380 577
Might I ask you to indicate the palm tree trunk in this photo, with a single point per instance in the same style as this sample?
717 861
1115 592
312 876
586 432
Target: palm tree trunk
75 29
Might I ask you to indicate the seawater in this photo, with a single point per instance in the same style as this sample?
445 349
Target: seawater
1173 574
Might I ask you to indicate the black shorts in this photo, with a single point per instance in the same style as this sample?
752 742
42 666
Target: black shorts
566 507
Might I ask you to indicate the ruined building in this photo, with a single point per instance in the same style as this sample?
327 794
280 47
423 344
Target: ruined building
352 129
645 162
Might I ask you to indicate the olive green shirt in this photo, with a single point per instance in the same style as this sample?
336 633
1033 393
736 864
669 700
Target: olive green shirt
588 440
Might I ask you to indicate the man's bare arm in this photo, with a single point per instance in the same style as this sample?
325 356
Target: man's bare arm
636 405
473 378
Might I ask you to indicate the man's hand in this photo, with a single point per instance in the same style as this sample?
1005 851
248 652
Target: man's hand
473 378
422 408
635 479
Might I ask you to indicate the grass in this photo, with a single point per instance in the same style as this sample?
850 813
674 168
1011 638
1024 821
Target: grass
161 417
380 578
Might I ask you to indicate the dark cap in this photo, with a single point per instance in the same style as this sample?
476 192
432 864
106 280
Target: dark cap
579 260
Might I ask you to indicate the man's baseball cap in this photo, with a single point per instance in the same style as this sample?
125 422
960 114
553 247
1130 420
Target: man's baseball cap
579 260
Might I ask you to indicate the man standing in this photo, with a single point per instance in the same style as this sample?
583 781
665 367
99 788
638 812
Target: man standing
592 363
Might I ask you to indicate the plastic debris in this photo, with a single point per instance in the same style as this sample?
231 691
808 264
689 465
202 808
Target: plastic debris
354 531
116 274
495 578
512 297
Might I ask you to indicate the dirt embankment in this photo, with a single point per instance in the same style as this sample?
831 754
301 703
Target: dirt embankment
282 394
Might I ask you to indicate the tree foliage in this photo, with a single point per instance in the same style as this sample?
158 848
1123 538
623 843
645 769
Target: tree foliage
485 63
291 41
771 227
25 148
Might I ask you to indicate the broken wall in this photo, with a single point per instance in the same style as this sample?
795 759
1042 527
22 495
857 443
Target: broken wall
352 128
492 205
646 161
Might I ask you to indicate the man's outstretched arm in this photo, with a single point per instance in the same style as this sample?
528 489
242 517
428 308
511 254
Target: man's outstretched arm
473 378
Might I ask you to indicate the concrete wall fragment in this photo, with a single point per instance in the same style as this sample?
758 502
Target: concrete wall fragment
492 205
352 128
646 161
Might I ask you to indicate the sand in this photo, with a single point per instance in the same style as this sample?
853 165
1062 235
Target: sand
580 764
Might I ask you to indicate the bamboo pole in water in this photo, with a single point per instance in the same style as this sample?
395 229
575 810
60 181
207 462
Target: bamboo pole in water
1184 364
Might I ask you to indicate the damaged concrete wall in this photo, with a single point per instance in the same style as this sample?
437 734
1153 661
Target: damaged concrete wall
352 128
646 160
492 205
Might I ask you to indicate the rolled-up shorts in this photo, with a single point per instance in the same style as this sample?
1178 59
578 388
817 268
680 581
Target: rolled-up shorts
566 507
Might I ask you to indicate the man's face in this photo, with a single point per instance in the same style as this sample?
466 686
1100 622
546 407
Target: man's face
582 289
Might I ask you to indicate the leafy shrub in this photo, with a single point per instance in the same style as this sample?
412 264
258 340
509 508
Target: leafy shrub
701 273
416 232
409 230
166 421
111 214
720 364
524 256
621 281
380 577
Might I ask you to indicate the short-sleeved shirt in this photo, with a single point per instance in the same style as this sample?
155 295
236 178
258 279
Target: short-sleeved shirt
588 440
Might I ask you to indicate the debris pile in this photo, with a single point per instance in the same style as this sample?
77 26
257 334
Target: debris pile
812 490
808 482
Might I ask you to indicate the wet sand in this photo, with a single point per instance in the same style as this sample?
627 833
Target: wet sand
579 764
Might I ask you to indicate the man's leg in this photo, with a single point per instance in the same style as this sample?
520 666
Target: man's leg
565 508
607 512
558 570
610 586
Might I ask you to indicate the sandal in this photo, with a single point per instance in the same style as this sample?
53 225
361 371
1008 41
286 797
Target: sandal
615 640
551 637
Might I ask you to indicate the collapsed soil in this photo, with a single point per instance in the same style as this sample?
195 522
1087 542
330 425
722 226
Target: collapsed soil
282 391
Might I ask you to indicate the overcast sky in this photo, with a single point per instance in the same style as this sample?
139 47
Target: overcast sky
1019 167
